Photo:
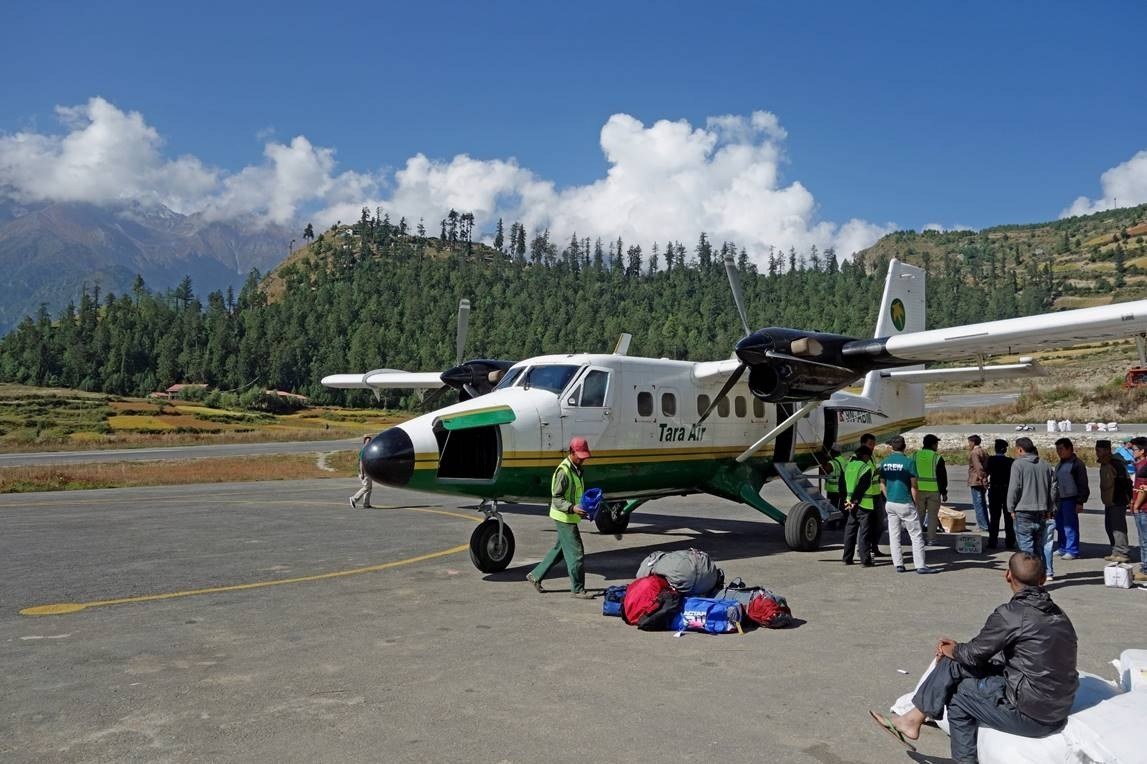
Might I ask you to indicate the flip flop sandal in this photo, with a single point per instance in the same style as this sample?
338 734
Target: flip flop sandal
886 724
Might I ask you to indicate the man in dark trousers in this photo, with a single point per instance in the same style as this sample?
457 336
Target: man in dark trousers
861 486
1028 691
876 522
999 473
566 489
1115 492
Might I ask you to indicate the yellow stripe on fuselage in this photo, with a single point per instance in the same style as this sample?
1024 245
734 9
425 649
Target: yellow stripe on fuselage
645 455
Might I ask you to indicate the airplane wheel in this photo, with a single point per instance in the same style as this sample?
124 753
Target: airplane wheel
489 551
803 527
610 519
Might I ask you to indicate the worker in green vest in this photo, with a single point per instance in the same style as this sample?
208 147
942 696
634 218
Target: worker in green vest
566 489
931 485
833 470
861 487
876 526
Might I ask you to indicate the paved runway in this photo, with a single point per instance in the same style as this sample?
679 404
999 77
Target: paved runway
177 452
404 652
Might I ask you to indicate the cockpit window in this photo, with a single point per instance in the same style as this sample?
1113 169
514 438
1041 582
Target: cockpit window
509 379
552 378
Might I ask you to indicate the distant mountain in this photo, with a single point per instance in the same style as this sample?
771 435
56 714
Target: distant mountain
50 251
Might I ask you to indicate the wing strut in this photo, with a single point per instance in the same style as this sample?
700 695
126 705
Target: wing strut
772 434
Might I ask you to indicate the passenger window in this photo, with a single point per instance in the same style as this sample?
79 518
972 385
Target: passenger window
702 404
739 407
669 404
645 403
758 408
595 384
723 407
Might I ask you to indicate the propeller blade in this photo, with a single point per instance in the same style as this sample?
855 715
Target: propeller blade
738 297
733 379
463 328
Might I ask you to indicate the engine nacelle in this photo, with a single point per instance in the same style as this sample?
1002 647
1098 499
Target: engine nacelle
785 380
788 365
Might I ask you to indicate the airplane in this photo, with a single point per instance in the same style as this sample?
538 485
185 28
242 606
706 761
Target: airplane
663 427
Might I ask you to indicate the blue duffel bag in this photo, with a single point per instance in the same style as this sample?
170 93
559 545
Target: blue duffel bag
708 615
612 602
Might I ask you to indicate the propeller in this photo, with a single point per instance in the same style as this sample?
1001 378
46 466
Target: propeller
739 301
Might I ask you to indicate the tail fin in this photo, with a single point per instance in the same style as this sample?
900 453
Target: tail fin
901 311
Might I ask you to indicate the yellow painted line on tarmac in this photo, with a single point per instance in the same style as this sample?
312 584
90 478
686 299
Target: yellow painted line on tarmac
59 608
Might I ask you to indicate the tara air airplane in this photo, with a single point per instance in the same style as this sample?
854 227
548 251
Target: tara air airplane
661 427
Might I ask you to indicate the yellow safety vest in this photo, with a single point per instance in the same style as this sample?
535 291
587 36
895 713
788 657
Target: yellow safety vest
926 461
852 474
575 487
835 482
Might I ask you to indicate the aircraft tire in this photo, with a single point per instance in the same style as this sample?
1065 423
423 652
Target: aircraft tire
803 527
488 552
610 520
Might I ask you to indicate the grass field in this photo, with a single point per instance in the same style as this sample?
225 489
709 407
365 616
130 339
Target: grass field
52 419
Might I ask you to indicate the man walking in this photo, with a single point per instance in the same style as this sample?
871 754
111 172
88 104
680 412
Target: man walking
1115 492
1073 494
898 481
999 473
861 487
931 485
363 493
1031 502
1139 503
566 489
1018 675
978 481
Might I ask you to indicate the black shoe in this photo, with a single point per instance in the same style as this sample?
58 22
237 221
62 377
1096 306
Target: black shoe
878 553
847 562
868 563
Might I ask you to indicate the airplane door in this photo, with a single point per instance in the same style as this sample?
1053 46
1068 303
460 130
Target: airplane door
587 408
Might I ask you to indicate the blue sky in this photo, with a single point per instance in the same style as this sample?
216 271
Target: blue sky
891 115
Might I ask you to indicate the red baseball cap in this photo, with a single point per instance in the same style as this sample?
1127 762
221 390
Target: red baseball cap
579 446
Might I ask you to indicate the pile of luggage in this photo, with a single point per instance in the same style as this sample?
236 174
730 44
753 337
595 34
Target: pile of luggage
685 591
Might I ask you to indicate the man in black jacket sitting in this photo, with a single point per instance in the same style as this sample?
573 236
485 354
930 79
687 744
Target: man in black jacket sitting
1018 675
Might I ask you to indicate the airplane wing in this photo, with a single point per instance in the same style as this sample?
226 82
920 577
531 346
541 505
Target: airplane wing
708 370
1025 368
385 379
1016 335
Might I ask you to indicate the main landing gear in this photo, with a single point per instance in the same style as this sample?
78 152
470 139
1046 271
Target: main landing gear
492 543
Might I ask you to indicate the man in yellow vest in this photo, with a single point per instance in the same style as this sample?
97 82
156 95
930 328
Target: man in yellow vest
833 471
931 485
861 487
566 489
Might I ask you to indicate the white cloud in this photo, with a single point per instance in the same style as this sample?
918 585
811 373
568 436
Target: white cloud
109 156
668 180
1125 184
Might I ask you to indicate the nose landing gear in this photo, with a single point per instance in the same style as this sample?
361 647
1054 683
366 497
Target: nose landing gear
492 543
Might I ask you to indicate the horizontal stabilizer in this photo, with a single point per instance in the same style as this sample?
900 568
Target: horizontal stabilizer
385 379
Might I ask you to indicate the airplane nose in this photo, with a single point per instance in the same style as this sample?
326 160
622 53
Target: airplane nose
389 457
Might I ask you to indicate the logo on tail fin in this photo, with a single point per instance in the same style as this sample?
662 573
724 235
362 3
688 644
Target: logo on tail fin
898 314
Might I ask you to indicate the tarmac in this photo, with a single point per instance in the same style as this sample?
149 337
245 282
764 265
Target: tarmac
272 622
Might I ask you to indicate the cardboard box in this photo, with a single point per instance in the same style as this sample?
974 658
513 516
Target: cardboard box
969 543
1117 576
953 520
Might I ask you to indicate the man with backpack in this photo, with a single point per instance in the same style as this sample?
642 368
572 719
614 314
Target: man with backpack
566 489
1115 492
